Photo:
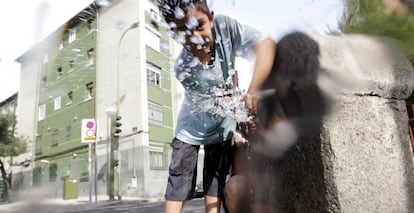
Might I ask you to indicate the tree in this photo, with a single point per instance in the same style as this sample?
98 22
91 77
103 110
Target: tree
10 146
390 18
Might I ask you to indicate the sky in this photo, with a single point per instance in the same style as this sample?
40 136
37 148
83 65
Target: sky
26 22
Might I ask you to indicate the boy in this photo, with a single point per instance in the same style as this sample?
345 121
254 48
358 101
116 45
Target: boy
210 45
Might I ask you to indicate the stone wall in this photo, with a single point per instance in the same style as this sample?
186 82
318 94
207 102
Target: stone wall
360 159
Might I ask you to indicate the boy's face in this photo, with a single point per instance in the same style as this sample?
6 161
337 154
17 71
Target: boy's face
193 31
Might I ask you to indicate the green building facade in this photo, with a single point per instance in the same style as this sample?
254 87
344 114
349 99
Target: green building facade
72 75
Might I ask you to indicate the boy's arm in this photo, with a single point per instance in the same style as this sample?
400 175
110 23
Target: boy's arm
265 53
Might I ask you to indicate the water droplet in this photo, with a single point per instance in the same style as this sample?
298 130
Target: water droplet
180 37
170 34
172 25
196 40
194 62
179 61
179 13
164 46
103 3
238 53
182 76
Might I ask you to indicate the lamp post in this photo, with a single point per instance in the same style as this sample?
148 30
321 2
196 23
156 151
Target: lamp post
110 112
133 26
115 134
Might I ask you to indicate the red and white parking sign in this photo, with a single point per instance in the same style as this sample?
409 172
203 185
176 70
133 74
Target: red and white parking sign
88 134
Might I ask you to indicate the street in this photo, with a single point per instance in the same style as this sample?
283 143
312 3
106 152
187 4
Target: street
193 206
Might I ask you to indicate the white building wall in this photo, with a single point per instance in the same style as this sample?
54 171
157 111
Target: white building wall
127 58
27 111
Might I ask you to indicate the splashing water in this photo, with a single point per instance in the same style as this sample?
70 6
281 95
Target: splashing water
238 53
191 23
179 61
172 25
194 62
170 34
179 37
183 76
196 40
179 13
232 107
103 3
228 103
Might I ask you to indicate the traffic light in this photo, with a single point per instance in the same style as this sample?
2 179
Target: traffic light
118 124
116 162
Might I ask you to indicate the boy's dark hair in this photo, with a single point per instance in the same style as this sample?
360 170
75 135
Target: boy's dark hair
294 78
169 7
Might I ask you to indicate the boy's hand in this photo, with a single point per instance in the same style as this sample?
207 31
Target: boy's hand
237 138
251 102
249 126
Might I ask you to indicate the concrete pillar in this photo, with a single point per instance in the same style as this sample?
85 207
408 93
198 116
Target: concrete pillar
360 160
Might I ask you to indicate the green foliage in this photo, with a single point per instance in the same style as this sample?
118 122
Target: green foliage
9 144
370 18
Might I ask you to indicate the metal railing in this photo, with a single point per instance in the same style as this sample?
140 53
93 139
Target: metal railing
410 129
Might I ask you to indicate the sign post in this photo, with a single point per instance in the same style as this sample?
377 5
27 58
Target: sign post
88 135
88 131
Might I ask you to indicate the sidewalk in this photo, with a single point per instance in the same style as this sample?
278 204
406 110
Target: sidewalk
58 205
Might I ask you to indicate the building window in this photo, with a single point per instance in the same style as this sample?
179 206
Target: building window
157 159
154 75
38 148
152 39
58 103
91 59
37 174
70 98
89 90
154 15
71 63
45 58
53 172
44 79
72 35
91 24
55 138
61 45
153 10
42 112
155 114
59 70
68 133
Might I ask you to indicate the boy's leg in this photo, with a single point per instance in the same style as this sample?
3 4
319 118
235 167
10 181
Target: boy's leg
212 204
173 206
182 175
216 168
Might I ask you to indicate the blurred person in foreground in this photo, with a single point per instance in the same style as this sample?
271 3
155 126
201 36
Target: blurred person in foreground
210 44
291 106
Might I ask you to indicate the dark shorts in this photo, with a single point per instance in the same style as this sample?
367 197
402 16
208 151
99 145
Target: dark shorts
183 170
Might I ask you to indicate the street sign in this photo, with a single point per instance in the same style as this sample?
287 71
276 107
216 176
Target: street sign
88 134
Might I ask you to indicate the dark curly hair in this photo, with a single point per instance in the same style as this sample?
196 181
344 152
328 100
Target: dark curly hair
294 78
169 7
